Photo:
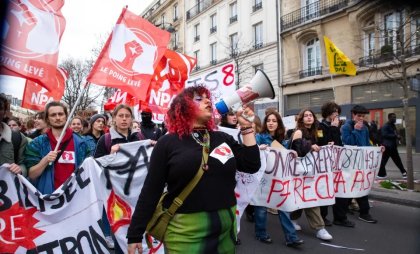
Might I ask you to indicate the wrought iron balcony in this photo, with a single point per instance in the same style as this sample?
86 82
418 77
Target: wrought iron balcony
256 7
198 8
213 29
311 11
258 45
310 72
233 19
383 57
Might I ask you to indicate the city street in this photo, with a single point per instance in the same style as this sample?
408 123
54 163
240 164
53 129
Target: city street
398 231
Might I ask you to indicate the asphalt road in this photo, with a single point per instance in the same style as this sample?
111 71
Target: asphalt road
398 231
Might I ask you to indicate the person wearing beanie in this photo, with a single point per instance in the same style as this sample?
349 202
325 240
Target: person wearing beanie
96 130
149 128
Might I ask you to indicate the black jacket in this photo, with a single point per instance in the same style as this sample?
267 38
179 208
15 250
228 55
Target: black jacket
389 135
327 133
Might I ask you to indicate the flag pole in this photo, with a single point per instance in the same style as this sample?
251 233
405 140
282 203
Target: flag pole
332 85
69 118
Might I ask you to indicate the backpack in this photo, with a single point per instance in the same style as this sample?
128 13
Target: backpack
16 141
108 140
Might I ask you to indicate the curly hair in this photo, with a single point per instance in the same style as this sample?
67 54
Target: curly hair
280 132
307 133
330 107
183 111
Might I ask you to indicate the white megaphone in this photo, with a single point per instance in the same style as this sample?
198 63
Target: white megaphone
259 87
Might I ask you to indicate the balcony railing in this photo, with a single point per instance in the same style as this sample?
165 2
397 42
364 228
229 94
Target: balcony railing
256 7
198 8
258 45
388 56
233 19
213 29
310 72
311 11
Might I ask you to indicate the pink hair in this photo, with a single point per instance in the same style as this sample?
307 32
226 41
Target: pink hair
183 111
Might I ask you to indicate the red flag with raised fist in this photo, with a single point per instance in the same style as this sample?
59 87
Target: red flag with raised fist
36 96
32 33
130 55
168 81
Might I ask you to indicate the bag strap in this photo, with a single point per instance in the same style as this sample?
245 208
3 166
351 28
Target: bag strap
289 146
108 142
16 142
178 201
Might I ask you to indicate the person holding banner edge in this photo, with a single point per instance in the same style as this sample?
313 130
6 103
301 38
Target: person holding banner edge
273 130
205 223
329 134
108 143
304 140
355 133
48 169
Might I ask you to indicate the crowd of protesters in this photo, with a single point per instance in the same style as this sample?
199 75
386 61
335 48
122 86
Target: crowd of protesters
28 148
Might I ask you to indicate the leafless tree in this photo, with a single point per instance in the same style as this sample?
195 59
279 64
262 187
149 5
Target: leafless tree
96 51
239 52
401 46
77 72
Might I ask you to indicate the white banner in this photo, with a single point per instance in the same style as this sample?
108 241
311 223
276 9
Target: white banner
219 81
69 220
292 183
66 221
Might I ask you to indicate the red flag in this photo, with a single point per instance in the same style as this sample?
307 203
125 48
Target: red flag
168 81
36 97
120 97
130 55
33 30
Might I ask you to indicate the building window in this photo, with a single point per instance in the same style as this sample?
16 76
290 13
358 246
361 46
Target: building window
197 59
309 100
233 10
175 40
258 35
312 55
384 91
175 12
258 67
233 44
162 20
370 43
213 23
416 31
197 32
310 9
213 53
393 32
257 5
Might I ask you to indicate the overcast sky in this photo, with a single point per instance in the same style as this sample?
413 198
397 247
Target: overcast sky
86 22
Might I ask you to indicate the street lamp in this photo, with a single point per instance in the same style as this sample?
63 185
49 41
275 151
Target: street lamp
166 26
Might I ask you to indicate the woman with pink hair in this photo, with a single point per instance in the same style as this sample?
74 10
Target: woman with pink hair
205 222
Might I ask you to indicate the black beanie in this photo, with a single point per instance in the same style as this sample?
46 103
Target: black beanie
96 117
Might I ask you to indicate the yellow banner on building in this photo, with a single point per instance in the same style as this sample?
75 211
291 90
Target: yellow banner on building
338 62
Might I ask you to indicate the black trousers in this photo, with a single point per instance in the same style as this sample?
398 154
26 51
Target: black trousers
393 153
341 206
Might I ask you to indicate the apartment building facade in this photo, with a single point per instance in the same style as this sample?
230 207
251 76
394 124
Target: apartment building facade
368 32
219 32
